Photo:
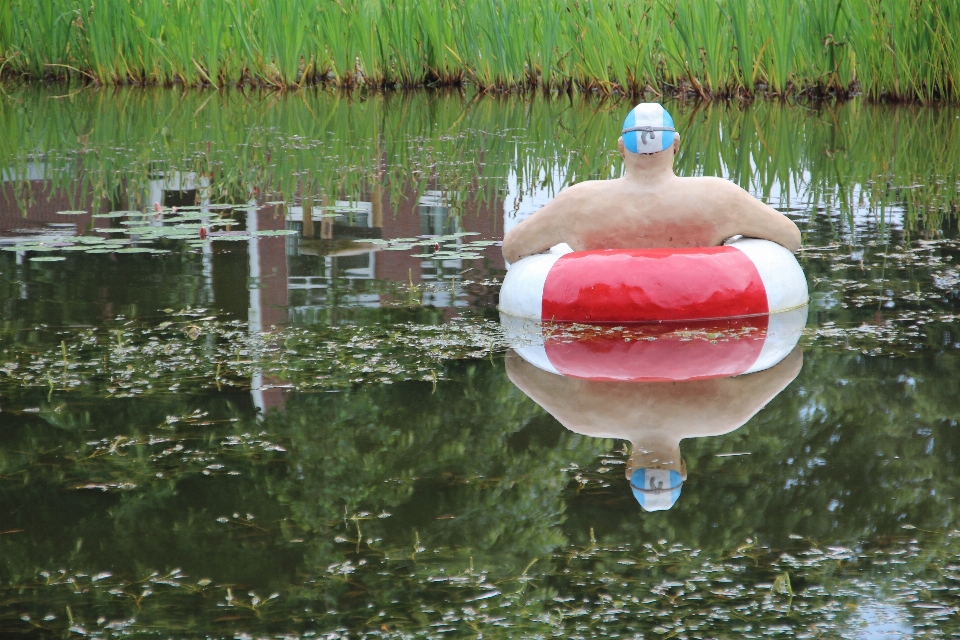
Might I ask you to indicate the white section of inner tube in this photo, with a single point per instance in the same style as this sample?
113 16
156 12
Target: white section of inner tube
781 274
537 356
525 336
522 292
783 333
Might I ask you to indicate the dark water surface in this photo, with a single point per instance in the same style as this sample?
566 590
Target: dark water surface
227 421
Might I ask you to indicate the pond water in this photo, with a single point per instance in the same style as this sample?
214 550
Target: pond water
236 420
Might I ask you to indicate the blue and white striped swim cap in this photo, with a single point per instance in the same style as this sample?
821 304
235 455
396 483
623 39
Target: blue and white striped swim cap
656 489
648 128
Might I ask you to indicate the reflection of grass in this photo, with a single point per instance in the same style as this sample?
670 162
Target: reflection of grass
143 230
905 49
852 157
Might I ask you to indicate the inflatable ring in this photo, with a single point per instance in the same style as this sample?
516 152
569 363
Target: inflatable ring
743 279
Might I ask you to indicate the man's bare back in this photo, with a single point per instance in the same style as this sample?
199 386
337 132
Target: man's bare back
648 207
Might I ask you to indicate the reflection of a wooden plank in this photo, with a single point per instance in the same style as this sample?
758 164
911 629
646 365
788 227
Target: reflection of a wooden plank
307 216
326 224
377 206
342 248
348 231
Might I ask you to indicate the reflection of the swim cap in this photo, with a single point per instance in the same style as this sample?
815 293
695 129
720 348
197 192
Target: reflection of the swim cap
656 489
671 351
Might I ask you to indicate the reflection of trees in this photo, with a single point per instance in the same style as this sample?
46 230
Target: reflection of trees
456 467
77 290
408 449
475 449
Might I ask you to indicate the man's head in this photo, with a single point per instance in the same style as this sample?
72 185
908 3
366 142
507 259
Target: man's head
648 129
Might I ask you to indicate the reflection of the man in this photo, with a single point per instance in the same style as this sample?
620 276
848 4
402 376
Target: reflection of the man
656 385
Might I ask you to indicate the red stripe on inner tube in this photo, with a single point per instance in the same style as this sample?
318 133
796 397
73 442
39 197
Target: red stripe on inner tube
658 352
653 285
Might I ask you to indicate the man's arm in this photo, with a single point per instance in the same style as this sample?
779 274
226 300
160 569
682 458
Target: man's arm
542 230
754 219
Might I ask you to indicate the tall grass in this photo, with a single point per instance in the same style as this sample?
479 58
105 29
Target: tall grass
896 49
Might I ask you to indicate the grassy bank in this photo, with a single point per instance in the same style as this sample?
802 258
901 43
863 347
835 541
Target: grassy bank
895 49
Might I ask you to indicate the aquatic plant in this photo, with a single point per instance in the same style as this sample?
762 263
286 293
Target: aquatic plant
898 49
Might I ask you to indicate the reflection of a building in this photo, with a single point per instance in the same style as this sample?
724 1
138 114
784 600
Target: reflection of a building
323 273
330 250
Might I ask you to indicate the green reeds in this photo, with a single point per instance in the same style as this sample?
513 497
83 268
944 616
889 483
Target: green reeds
894 49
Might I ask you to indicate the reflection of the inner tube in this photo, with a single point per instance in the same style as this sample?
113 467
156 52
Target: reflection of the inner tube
668 351
655 385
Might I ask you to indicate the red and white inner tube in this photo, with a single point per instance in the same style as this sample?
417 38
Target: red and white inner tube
709 312
745 278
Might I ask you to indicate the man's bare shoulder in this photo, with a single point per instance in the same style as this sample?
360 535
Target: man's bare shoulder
586 189
710 182
719 191
576 198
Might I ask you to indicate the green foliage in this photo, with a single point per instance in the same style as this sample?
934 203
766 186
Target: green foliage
900 49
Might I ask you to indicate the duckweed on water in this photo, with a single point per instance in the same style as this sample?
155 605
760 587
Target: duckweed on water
446 247
871 297
189 351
